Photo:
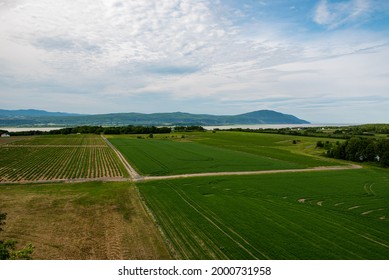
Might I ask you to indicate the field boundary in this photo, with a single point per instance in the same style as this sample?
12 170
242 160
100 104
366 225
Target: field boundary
53 146
237 173
140 178
75 180
131 171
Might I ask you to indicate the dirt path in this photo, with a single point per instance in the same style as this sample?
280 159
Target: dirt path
76 180
314 169
131 171
53 146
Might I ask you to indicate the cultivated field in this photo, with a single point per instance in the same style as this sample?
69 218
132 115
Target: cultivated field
320 215
60 140
208 152
326 214
93 220
58 158
289 148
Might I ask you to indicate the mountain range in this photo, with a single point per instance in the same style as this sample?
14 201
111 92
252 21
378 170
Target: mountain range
43 118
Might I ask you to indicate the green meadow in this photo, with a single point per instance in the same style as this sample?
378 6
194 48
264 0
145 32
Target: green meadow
317 215
215 152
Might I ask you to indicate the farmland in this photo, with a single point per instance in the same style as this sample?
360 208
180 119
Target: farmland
92 220
207 152
325 214
60 140
284 216
57 158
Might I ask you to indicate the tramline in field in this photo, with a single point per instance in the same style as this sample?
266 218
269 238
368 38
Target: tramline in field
275 216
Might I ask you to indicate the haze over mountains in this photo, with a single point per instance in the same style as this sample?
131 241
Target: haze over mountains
43 118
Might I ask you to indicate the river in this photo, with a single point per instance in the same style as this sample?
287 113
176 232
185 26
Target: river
250 126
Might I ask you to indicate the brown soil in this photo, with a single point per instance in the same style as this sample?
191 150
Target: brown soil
61 228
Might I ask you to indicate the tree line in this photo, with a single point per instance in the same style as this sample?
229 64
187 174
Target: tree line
359 149
130 129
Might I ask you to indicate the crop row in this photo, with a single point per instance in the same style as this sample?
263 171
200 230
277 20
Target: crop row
50 163
79 140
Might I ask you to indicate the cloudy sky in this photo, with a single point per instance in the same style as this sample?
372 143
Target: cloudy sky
326 61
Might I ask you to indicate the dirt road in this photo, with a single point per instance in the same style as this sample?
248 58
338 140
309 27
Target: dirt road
131 171
314 169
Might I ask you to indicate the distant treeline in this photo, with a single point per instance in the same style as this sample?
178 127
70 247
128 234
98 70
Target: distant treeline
97 130
190 128
303 131
344 132
359 149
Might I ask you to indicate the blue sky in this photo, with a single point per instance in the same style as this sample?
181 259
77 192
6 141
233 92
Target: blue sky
325 61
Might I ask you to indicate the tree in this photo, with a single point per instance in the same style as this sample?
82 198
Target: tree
371 151
8 247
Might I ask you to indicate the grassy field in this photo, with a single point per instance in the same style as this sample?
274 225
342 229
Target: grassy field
208 152
309 215
336 215
58 157
92 220
288 148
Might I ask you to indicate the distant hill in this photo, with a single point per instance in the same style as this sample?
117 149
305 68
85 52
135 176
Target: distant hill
31 113
43 118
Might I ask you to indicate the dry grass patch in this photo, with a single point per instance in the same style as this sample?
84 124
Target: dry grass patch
81 221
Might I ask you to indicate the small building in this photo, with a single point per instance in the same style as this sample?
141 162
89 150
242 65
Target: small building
5 135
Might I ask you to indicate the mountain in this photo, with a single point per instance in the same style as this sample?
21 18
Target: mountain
43 118
31 113
267 117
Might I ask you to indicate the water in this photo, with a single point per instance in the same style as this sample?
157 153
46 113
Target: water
274 126
18 129
249 126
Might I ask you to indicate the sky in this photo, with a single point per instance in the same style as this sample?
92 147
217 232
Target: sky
324 61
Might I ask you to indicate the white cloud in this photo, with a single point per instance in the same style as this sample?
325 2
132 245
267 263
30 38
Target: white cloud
123 55
122 32
335 14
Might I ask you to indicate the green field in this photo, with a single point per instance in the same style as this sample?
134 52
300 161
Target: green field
208 152
296 149
330 214
321 215
58 157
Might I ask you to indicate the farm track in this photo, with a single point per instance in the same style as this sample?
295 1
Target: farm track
131 171
77 180
209 174
55 146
